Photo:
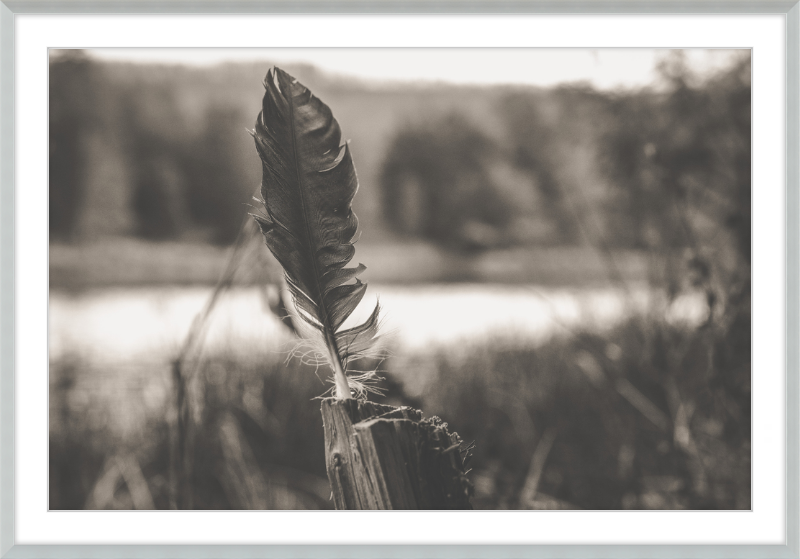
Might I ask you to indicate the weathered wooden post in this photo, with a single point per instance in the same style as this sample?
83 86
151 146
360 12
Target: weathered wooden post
381 458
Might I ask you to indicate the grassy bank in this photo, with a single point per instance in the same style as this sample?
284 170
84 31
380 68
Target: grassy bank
131 262
646 416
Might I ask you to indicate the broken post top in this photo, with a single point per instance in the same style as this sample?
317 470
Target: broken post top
380 457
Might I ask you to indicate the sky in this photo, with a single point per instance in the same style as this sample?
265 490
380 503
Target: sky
603 68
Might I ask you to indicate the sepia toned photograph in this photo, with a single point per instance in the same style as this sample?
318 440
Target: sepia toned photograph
338 279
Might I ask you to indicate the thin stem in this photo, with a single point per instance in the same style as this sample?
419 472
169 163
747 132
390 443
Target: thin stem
342 391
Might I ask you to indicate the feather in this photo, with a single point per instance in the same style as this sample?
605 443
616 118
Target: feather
308 183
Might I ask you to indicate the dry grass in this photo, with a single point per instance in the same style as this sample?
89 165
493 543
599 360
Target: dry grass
645 416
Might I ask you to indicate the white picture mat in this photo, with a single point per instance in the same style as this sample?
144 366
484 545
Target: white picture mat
764 525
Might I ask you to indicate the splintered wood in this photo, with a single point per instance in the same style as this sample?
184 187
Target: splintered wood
381 457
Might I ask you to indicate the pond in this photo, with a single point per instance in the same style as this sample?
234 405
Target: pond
126 324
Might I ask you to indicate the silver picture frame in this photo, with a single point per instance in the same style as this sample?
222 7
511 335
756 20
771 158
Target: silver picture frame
9 9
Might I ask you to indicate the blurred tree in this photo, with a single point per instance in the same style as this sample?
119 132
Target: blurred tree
72 99
535 143
157 199
437 184
680 163
219 185
734 90
154 131
186 179
553 137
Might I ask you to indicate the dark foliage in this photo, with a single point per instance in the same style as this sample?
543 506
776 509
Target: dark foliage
73 117
436 185
607 454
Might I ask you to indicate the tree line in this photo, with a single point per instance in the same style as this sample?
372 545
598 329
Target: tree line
163 152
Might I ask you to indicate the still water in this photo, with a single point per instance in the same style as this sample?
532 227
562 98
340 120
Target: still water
125 324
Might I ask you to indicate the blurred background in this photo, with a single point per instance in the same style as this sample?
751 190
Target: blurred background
560 241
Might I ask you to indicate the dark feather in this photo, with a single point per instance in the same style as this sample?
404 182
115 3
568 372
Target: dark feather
308 184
